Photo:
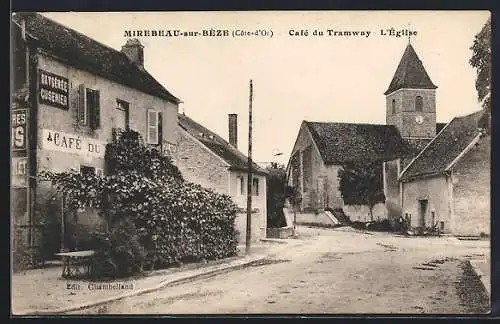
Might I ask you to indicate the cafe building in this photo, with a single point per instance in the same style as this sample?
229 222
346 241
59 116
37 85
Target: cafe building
70 94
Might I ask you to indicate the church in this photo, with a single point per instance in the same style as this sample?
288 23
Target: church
321 150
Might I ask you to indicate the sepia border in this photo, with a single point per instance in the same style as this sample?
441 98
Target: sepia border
23 5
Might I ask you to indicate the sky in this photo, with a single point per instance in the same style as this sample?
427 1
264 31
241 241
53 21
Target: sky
295 78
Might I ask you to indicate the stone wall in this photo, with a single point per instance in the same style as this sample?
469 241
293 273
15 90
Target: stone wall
472 190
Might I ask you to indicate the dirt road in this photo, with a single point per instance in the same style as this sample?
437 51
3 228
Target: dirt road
336 272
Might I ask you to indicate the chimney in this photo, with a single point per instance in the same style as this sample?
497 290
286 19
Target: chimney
233 130
134 51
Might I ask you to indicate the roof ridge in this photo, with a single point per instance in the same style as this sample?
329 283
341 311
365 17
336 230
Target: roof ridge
205 128
425 147
97 42
345 123
480 111
81 34
82 52
25 31
224 143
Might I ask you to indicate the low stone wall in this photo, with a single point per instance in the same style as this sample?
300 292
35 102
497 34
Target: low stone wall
279 233
312 218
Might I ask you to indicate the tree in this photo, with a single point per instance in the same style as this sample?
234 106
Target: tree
361 184
481 61
276 182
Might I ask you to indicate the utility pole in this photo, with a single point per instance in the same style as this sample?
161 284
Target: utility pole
249 181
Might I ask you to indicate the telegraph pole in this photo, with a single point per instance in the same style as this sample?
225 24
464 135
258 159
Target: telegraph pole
249 180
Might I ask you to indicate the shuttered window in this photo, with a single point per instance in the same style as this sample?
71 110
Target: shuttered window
241 185
255 186
93 106
82 106
89 109
155 127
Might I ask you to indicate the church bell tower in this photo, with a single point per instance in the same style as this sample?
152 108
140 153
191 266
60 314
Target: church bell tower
411 99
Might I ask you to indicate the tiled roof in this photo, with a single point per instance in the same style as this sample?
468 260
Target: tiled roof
410 73
87 54
218 145
439 127
445 147
340 143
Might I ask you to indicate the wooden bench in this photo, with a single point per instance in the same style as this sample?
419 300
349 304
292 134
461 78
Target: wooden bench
76 263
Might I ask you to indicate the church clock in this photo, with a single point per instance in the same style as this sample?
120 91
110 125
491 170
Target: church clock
419 119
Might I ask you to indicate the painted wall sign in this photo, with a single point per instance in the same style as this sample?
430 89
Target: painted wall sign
53 89
71 143
19 172
19 136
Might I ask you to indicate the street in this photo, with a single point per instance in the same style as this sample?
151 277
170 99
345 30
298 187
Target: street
332 271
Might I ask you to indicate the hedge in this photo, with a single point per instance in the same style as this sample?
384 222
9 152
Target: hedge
154 218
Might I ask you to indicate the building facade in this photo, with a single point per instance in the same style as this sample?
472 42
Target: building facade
447 185
323 149
207 159
79 93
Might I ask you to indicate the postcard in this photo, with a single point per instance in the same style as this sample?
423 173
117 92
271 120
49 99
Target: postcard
250 162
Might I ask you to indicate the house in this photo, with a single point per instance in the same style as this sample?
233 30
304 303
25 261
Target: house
205 158
448 183
70 95
323 148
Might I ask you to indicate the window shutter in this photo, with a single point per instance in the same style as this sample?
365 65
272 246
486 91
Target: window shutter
96 110
152 131
160 128
82 105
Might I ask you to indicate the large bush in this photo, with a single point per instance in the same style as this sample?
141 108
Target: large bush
154 218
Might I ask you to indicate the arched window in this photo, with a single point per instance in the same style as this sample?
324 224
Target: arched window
393 106
419 103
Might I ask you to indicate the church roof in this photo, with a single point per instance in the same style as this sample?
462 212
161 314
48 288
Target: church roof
87 54
410 73
442 151
218 145
439 127
340 143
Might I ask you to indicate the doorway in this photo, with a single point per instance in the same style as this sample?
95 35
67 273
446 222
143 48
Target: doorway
422 212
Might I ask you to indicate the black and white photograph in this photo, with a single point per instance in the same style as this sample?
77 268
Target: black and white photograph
250 162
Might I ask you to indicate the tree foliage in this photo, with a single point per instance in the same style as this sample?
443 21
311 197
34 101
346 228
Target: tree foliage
361 184
481 61
154 218
129 153
276 185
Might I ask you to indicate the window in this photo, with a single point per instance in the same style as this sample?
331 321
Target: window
88 107
86 170
255 186
419 103
307 168
393 108
241 185
99 172
121 114
154 131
